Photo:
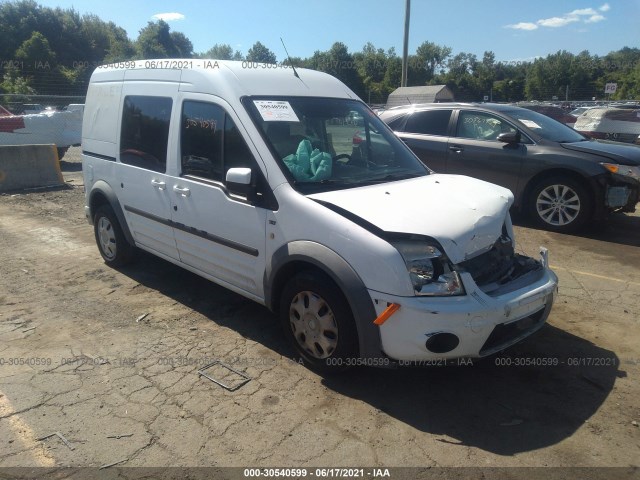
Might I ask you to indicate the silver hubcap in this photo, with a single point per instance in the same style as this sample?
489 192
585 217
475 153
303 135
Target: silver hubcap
107 237
313 324
558 205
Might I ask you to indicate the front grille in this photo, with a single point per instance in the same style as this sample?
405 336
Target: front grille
506 334
499 265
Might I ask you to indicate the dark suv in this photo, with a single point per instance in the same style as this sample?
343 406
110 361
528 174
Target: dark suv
558 176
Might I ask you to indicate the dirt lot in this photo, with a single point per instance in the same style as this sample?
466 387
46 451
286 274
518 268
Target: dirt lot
108 358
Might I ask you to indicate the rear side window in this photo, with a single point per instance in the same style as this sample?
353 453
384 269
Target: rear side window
429 122
145 132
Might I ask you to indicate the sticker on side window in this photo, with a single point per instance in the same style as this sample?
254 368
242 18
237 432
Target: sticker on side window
276 111
529 123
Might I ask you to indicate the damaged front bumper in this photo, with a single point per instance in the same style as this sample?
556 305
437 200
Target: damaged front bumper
620 193
469 326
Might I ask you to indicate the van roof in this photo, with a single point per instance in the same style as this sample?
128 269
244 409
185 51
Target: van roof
224 77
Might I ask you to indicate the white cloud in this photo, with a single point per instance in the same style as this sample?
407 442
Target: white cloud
583 11
523 26
585 15
168 17
594 18
555 22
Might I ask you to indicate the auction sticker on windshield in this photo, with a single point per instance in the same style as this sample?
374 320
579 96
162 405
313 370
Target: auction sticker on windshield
276 111
529 123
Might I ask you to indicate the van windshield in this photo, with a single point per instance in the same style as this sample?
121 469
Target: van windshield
326 143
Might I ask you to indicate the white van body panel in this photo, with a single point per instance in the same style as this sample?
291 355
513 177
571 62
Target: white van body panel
200 225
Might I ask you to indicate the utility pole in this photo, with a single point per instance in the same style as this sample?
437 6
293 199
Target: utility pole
405 49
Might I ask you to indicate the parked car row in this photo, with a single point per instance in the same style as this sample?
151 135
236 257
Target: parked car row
554 112
558 177
618 122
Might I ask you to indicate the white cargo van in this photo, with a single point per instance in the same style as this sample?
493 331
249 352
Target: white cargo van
245 174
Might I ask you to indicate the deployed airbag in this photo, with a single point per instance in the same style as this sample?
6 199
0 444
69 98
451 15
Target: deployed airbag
308 164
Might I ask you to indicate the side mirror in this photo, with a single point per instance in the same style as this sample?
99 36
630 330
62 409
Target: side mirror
238 181
509 137
241 176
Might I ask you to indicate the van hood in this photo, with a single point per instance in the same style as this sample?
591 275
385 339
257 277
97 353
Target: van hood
463 214
622 153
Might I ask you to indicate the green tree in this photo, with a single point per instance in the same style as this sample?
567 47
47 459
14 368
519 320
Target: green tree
259 53
157 41
337 61
14 83
431 57
221 51
371 65
182 45
36 50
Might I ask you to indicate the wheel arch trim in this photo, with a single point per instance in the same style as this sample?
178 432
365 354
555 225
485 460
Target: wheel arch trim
102 188
293 256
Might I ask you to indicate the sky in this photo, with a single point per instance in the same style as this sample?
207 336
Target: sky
513 30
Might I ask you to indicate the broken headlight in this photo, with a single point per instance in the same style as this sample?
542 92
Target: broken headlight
430 271
624 170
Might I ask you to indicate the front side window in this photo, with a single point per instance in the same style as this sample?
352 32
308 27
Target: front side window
481 126
330 143
429 122
211 144
144 134
202 126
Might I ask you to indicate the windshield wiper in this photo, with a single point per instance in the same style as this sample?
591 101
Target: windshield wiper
326 181
390 178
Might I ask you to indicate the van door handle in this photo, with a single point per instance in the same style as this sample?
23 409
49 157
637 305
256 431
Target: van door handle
455 148
158 184
185 192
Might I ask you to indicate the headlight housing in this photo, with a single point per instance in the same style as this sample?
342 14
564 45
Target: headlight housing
429 269
624 170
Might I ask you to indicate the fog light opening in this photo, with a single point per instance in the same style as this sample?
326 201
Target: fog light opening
442 342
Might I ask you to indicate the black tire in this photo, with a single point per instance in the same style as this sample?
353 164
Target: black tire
560 204
317 320
112 244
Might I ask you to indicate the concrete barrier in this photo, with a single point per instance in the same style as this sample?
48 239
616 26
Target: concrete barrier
29 166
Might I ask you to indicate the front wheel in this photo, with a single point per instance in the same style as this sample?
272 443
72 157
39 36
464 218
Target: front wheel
113 245
318 321
560 204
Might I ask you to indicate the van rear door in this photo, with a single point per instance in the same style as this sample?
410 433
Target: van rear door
142 183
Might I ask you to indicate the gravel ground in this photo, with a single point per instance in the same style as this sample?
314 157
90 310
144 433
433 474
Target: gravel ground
109 359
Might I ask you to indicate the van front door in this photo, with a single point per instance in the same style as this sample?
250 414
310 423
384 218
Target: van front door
217 232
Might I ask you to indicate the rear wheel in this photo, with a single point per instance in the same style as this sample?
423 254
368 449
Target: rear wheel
318 321
113 245
560 204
